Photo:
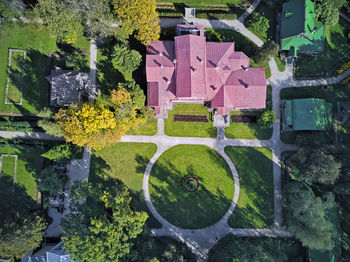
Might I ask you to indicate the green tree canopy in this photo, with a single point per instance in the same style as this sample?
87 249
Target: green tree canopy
138 97
51 180
306 216
312 165
64 152
267 119
328 11
102 227
11 8
21 229
268 50
258 23
125 60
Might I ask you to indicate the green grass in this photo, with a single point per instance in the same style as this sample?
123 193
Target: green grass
192 129
255 204
38 43
196 209
149 128
250 130
281 64
266 65
125 162
8 165
16 77
28 165
336 52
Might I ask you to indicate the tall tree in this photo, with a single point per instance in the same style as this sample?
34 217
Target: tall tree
60 18
18 237
267 118
268 50
125 60
306 216
138 97
51 180
11 8
101 228
140 16
20 228
328 11
258 23
95 125
314 166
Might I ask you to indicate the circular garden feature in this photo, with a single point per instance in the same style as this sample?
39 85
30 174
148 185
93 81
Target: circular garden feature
191 186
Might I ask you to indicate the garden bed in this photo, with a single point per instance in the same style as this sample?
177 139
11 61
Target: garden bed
190 118
244 119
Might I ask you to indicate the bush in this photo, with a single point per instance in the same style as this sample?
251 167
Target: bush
267 119
63 152
258 23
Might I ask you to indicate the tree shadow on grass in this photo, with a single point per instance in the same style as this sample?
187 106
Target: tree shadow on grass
255 172
15 202
185 209
35 88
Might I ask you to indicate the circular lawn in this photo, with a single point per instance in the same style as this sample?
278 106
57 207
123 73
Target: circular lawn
185 208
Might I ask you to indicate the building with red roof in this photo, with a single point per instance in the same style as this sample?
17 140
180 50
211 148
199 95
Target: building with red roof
189 69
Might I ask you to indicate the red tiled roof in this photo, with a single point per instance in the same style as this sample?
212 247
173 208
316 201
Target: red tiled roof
191 68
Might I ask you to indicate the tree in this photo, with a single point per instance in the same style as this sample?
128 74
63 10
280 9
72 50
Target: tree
267 118
11 8
306 216
140 16
96 125
258 23
138 97
62 152
16 239
328 11
269 49
314 166
101 228
60 18
21 229
125 60
51 180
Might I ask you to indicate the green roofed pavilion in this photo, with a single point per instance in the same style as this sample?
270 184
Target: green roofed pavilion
307 114
299 31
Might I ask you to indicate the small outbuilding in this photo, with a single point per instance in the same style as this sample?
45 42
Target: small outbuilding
68 87
306 114
300 33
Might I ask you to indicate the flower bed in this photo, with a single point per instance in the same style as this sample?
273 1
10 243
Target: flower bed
190 118
243 119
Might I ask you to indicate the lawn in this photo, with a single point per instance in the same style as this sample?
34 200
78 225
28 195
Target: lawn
38 44
125 162
192 129
250 130
149 128
255 204
29 163
200 208
15 77
281 64
336 52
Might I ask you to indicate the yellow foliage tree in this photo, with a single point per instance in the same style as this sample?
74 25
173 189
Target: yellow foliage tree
140 16
95 126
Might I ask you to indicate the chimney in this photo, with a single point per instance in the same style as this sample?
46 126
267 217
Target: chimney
247 86
174 61
160 53
168 82
161 66
193 69
199 59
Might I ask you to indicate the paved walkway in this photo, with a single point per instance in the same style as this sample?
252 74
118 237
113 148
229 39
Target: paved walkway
78 169
216 24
